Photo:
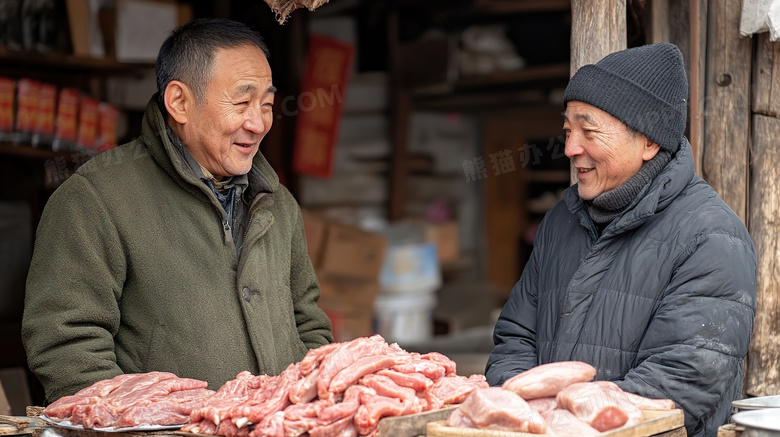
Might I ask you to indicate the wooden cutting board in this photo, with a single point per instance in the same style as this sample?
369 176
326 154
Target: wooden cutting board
655 422
412 425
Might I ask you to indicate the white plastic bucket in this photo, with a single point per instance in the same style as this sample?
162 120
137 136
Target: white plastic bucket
405 318
410 268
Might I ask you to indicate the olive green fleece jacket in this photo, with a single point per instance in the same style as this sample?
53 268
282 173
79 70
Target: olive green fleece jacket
133 271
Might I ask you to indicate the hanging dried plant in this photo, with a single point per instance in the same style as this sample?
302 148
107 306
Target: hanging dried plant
283 8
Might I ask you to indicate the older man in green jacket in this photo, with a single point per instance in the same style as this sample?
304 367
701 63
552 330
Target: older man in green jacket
179 251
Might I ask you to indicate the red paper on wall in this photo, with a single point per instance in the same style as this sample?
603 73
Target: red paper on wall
28 91
88 122
319 104
67 113
7 88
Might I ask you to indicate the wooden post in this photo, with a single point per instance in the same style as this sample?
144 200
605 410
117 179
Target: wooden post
598 28
400 116
697 68
726 107
763 370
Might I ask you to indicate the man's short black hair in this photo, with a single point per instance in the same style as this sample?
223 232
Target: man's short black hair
188 53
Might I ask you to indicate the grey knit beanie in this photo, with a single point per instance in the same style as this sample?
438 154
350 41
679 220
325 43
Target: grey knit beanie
644 87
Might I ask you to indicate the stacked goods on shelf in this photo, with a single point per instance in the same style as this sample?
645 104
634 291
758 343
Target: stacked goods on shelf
38 114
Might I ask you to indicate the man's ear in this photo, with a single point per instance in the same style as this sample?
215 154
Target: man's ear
177 100
650 149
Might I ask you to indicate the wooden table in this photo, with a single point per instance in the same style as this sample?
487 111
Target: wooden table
730 430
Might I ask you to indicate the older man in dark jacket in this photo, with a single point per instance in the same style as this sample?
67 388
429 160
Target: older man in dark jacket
642 270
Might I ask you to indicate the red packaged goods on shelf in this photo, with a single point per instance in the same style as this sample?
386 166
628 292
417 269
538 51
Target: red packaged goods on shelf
108 115
47 104
67 115
28 92
6 105
88 123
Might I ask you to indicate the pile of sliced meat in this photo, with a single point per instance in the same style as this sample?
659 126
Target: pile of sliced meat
155 398
340 389
555 398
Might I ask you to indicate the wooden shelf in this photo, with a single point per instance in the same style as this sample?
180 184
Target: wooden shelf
516 6
29 152
68 62
523 77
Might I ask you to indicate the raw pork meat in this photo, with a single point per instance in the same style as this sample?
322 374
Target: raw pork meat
563 422
597 406
640 402
548 379
154 398
496 408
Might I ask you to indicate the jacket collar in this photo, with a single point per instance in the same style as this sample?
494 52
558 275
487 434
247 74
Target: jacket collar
653 198
262 177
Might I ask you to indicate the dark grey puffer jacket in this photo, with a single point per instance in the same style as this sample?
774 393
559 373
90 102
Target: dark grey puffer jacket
662 303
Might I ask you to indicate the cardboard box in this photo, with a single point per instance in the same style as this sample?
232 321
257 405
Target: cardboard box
359 293
348 322
445 236
351 253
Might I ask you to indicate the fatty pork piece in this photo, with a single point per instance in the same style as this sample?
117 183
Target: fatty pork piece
543 405
453 389
62 408
345 355
500 409
563 422
217 407
173 409
374 407
640 402
548 379
597 406
267 401
135 391
459 420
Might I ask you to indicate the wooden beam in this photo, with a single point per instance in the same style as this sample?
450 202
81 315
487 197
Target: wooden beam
726 107
766 77
763 369
598 28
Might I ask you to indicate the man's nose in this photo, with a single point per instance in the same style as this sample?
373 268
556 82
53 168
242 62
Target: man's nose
254 121
572 147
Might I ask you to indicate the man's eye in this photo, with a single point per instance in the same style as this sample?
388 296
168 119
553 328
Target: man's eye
243 103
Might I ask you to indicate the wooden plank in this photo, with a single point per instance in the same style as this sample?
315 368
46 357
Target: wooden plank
411 425
697 69
766 77
763 369
726 107
730 430
655 422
